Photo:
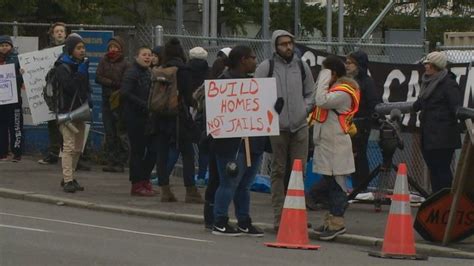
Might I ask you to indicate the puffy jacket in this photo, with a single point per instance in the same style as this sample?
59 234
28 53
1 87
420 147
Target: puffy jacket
298 96
135 90
439 128
72 82
110 72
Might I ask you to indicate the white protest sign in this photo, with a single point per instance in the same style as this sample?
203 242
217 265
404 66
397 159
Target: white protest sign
8 89
241 107
36 65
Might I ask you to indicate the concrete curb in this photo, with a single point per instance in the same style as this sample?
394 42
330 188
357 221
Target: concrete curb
373 242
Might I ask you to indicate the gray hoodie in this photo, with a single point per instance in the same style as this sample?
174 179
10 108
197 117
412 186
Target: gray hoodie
298 98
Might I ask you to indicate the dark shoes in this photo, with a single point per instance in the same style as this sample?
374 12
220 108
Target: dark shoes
71 186
225 229
50 159
250 230
331 234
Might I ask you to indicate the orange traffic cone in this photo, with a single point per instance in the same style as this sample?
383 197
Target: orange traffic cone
293 232
399 239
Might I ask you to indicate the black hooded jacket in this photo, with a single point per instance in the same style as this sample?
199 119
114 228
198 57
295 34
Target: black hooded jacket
369 96
199 72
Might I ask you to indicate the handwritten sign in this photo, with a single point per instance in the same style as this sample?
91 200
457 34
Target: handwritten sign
8 90
241 107
36 65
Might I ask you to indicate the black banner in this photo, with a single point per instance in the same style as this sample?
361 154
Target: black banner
398 82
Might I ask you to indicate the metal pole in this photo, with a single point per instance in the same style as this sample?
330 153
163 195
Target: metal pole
214 18
340 26
179 17
205 18
15 28
266 27
158 35
423 20
297 18
329 24
378 20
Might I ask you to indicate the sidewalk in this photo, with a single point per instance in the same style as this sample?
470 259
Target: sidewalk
111 192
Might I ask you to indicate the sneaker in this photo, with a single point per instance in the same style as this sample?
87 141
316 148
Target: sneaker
250 231
320 229
69 187
50 159
331 234
16 158
225 230
78 187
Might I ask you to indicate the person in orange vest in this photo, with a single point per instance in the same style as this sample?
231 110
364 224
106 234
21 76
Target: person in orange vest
337 101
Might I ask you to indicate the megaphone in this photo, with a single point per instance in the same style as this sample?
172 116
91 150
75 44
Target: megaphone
386 108
82 113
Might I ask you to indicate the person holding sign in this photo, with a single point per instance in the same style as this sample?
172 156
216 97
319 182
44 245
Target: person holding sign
73 77
11 116
234 183
337 100
295 100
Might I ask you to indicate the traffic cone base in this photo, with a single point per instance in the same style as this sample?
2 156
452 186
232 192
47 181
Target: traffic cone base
293 231
399 239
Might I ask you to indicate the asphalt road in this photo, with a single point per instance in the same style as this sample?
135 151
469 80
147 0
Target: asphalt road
41 234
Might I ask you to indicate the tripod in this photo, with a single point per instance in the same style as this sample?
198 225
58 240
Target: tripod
390 141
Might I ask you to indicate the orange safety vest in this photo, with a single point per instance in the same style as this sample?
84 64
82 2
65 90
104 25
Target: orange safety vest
345 119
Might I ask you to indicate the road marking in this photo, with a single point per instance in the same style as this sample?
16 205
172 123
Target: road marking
106 227
24 228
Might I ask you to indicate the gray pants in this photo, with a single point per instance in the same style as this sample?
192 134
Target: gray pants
285 146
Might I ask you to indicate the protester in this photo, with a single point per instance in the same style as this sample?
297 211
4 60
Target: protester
295 101
57 34
337 100
176 130
11 115
357 67
110 72
73 77
135 90
156 56
242 62
438 101
220 63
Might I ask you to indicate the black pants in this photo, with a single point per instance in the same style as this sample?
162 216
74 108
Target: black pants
163 141
213 182
11 129
359 143
55 138
142 158
439 164
114 147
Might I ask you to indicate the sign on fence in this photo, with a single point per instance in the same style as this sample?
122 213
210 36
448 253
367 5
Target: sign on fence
8 90
241 108
36 65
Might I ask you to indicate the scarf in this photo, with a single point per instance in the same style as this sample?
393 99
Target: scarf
429 83
113 56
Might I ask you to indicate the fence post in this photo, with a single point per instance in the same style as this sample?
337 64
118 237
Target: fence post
131 37
15 28
426 47
158 33
438 46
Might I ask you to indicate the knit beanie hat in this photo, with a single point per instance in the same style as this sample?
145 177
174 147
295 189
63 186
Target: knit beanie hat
115 42
198 53
6 39
439 59
71 41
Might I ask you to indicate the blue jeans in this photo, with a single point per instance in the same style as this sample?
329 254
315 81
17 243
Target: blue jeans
336 196
203 162
235 188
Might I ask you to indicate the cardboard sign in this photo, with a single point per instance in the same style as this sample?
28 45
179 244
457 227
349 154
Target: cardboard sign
8 89
241 108
36 65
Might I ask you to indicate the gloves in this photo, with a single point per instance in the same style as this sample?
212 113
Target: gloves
84 67
279 105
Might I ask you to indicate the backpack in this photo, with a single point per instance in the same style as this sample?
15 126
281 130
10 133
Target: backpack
271 63
163 98
52 91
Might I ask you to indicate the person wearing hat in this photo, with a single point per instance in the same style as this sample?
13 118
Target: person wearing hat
439 98
11 115
72 71
109 74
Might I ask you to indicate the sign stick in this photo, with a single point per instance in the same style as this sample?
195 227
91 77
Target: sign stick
247 152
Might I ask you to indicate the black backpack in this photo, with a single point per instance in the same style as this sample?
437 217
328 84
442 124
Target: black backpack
52 91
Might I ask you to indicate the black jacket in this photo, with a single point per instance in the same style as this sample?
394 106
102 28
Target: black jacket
230 146
72 83
135 89
439 127
369 97
199 72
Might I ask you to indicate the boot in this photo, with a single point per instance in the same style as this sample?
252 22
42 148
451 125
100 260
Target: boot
193 195
167 195
325 225
335 227
139 189
208 215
